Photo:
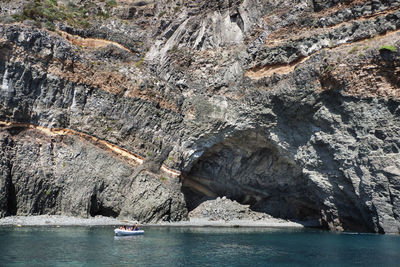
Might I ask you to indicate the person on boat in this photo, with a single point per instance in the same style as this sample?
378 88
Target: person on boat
136 227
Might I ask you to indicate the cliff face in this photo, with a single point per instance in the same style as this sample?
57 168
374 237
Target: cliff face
291 107
45 172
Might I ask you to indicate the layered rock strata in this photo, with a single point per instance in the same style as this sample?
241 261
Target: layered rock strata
66 174
291 107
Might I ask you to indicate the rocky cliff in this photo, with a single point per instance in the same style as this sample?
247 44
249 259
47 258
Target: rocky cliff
144 109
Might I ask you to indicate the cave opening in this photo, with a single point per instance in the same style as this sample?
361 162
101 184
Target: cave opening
250 169
96 207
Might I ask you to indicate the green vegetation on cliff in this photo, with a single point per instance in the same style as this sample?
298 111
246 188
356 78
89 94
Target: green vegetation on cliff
47 12
388 47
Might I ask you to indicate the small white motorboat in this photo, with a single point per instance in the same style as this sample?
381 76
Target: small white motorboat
119 232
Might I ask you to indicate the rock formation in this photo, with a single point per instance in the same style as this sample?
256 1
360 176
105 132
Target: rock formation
144 109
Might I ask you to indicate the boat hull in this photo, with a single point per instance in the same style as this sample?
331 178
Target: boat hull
119 232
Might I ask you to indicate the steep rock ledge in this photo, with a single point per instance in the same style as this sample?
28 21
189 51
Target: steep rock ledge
65 174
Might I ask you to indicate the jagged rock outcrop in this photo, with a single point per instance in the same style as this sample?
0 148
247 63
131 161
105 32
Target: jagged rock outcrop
291 107
61 174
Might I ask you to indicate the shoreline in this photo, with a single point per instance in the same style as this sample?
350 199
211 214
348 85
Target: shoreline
201 222
60 220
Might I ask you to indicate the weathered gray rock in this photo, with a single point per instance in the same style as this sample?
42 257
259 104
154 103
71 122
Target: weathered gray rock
274 104
65 175
226 210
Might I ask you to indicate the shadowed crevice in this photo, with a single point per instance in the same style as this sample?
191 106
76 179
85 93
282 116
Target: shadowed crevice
97 208
12 199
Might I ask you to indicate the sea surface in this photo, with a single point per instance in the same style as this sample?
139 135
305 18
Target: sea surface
97 246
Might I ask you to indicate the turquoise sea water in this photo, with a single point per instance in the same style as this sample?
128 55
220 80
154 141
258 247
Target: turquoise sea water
97 246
